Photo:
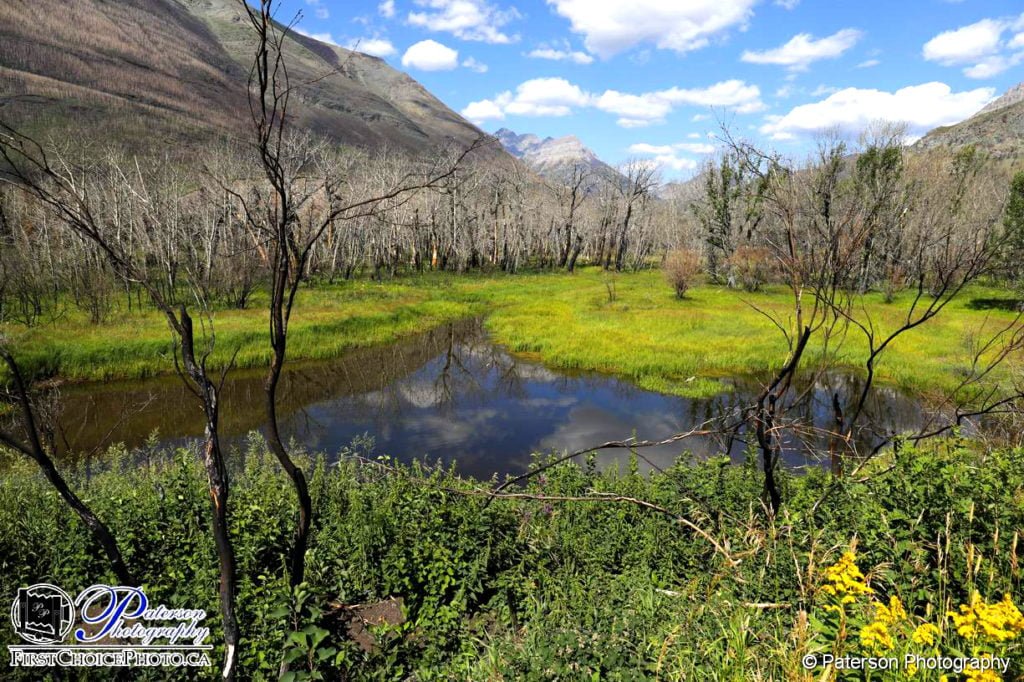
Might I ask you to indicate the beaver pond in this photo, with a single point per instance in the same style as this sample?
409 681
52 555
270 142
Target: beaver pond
448 395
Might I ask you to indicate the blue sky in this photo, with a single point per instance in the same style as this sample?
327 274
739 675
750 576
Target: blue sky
652 78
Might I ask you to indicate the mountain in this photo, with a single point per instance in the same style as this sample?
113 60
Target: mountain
997 129
554 158
173 74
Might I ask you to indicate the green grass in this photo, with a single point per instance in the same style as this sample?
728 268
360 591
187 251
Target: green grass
566 321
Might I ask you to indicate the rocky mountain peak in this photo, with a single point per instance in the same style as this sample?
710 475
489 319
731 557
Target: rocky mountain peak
1009 98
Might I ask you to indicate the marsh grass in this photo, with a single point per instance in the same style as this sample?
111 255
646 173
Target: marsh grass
646 335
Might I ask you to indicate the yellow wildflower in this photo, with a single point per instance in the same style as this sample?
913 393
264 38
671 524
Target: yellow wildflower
981 675
844 578
1000 621
911 668
925 634
891 614
876 636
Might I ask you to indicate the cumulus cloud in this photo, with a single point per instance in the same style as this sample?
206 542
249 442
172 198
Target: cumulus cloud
803 49
558 97
921 107
612 26
484 110
558 55
667 155
690 147
378 47
980 48
387 9
430 55
465 19
676 163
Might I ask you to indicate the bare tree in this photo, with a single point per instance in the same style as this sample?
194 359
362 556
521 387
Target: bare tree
306 200
69 192
33 449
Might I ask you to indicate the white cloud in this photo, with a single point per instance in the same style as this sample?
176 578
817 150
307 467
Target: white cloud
612 26
378 47
484 110
546 97
466 19
787 4
731 94
979 47
993 66
868 63
648 106
429 55
677 163
473 65
387 9
558 97
803 49
662 149
322 37
965 44
560 55
851 110
635 122
644 148
693 136
536 97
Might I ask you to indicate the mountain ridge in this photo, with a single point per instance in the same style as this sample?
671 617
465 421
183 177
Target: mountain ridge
997 129
171 73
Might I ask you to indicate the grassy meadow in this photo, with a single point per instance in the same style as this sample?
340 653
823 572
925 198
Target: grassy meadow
569 322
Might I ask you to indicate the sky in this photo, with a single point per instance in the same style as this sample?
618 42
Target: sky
656 79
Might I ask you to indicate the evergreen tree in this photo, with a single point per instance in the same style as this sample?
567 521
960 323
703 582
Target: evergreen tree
1013 224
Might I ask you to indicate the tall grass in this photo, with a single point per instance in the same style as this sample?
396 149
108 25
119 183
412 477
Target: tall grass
646 334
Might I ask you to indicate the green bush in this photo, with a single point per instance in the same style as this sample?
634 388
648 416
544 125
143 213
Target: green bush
529 589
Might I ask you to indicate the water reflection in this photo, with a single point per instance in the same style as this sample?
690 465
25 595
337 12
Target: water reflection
448 395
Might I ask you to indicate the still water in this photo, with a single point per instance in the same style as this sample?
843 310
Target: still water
448 395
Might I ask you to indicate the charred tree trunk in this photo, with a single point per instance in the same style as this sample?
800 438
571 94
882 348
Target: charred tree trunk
34 450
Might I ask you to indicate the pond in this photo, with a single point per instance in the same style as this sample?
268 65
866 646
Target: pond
449 395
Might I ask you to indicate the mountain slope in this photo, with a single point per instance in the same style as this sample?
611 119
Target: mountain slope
175 72
554 158
997 129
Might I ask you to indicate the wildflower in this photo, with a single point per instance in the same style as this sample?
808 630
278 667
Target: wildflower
999 622
876 636
981 675
925 634
891 614
844 578
911 668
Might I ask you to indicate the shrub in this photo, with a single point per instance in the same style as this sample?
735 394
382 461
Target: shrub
680 268
750 267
